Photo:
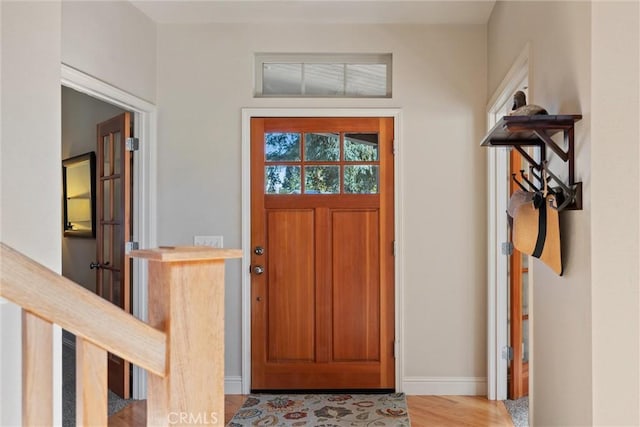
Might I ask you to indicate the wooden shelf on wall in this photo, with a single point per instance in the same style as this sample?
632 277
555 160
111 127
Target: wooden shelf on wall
538 131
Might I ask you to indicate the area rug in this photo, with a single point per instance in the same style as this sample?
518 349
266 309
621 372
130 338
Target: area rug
323 410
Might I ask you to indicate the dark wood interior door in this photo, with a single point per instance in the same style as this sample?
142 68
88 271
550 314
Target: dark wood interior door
322 232
114 230
518 378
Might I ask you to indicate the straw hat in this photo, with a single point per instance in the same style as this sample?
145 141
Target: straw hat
536 232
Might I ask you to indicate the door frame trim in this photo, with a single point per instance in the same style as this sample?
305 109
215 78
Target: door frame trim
497 269
144 194
247 115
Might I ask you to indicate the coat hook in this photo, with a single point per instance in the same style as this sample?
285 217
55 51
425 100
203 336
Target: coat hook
531 184
522 187
533 172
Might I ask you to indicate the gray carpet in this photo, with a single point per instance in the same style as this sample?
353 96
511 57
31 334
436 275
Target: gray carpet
115 404
519 411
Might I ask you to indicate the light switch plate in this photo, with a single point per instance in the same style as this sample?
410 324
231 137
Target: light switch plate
212 241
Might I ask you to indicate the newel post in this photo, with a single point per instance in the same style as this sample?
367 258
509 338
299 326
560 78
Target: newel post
186 301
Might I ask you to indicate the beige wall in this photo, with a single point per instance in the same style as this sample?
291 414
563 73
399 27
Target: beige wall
586 325
111 40
560 37
30 166
615 232
36 37
205 77
80 115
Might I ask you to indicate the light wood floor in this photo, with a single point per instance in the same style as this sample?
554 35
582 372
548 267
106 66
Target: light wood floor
424 411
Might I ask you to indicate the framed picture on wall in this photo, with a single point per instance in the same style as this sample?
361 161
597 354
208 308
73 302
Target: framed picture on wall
79 195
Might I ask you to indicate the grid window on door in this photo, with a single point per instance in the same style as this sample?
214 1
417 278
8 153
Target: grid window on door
321 163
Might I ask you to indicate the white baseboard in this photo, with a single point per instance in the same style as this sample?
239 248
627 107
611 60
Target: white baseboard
233 385
460 386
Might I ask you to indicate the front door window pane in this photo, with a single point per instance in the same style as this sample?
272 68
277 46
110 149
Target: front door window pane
361 179
361 147
322 179
282 179
283 147
322 147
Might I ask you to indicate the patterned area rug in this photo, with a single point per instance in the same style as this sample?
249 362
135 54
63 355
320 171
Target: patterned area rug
323 410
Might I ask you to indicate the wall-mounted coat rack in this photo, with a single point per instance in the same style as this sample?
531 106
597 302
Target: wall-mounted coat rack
537 131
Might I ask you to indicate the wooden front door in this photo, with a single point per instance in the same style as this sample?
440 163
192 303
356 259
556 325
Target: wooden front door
322 239
114 230
518 379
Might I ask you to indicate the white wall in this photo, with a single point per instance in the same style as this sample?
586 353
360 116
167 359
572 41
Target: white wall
560 36
36 38
80 115
586 325
30 174
615 232
205 77
111 40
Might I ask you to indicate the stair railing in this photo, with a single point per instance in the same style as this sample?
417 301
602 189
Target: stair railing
182 347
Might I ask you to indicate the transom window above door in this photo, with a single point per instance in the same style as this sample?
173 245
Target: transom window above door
323 75
321 163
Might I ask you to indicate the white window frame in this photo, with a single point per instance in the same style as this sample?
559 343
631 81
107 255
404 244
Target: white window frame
320 58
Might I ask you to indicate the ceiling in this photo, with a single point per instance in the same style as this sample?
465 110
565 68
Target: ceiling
318 11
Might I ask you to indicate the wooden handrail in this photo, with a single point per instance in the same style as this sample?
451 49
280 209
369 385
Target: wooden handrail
56 299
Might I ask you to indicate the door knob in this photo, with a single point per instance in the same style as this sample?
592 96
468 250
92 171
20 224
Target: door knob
258 269
97 265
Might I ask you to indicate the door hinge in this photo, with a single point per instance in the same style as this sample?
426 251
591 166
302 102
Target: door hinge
394 147
394 248
132 144
395 349
131 246
507 353
507 248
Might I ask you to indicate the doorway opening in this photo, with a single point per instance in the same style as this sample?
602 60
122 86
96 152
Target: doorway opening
98 261
509 282
107 99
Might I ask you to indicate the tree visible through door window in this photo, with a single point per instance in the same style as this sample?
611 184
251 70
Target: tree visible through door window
321 163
